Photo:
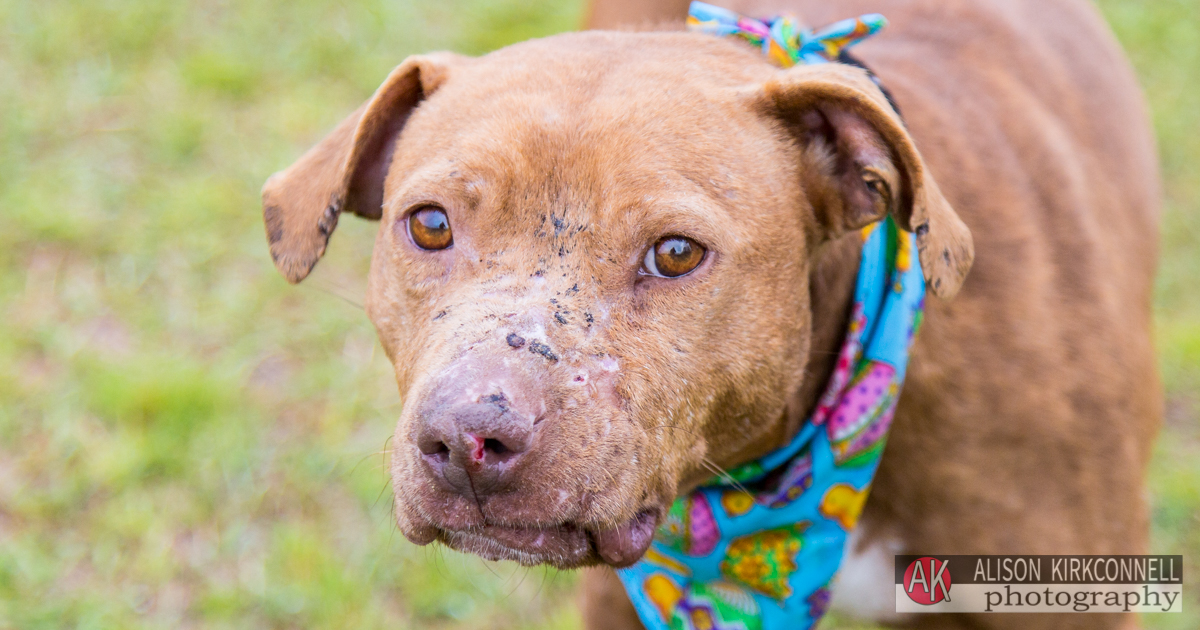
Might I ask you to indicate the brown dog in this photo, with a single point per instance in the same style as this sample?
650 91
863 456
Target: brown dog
611 262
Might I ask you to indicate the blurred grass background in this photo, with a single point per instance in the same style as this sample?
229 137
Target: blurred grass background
187 441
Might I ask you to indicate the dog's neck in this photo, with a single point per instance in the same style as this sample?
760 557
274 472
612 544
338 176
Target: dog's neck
832 279
831 291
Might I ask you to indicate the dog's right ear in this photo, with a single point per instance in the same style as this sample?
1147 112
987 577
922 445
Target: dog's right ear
346 170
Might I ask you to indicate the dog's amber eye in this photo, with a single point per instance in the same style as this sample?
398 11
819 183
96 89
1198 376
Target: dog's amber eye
672 257
430 229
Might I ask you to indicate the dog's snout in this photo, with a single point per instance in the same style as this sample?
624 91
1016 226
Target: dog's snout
475 447
475 433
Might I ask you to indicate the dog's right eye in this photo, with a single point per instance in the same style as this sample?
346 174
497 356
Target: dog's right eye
429 228
672 257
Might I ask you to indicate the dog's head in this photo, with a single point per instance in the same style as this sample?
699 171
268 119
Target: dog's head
592 270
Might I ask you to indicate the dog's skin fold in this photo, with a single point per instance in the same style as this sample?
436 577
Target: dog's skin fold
557 399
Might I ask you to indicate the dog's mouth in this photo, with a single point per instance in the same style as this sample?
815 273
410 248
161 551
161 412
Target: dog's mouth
565 546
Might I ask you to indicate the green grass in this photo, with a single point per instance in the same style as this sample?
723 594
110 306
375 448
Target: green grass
186 440
1163 40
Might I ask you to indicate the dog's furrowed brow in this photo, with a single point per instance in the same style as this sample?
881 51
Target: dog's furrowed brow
442 182
690 216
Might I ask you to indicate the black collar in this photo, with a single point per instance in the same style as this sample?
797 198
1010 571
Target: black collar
850 60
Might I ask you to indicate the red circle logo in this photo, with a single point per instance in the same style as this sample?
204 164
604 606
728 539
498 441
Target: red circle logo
927 581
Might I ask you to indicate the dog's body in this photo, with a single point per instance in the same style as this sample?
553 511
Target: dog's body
1031 400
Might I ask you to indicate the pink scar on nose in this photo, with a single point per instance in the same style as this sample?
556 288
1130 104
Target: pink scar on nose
476 448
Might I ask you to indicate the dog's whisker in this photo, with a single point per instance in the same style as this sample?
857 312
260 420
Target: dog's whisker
712 466
487 565
519 583
386 485
725 476
439 562
330 291
385 453
542 585
611 479
359 463
475 495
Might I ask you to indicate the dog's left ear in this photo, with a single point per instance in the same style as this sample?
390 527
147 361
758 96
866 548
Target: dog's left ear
345 171
859 164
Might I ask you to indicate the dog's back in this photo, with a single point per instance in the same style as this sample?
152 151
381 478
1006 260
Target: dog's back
1032 398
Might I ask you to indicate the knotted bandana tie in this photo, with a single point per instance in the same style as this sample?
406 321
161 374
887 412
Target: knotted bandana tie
758 548
783 42
781 39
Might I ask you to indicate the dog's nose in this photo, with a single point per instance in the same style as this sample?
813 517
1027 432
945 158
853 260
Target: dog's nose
474 447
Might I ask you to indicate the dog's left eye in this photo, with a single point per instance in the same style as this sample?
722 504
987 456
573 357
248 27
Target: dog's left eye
673 256
430 229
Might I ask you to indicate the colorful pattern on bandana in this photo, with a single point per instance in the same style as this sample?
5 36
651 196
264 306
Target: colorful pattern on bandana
758 549
780 38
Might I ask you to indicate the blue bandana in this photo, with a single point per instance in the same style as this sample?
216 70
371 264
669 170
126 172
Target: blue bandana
758 548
